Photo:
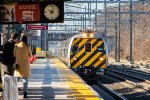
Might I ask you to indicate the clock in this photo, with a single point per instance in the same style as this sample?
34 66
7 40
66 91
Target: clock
51 12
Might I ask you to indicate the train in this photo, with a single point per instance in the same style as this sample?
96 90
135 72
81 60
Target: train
86 54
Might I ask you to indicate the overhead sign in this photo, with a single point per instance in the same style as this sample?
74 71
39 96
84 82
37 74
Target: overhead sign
36 27
44 12
27 12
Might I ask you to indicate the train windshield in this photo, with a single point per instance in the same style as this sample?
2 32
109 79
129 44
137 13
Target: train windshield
88 47
75 49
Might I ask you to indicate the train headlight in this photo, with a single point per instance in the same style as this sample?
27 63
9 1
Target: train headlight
84 35
75 58
91 35
101 58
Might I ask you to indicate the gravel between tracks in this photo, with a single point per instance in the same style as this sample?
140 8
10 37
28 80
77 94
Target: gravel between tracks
102 93
127 90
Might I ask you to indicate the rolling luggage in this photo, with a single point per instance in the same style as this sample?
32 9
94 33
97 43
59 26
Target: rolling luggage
10 88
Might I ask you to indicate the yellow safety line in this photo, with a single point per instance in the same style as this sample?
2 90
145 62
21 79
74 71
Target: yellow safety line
78 88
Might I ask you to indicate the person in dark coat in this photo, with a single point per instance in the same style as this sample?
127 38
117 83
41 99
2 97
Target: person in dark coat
8 58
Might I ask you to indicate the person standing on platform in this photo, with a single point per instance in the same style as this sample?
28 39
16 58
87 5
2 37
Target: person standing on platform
8 58
22 52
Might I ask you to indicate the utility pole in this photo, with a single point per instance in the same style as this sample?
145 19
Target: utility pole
96 16
90 15
116 42
119 35
131 32
105 32
43 38
85 18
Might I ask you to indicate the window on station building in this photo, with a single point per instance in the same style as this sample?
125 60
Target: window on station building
75 49
88 47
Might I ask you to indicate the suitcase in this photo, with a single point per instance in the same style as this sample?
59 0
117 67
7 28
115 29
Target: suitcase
10 88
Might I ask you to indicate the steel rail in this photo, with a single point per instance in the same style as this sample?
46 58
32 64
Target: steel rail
111 92
131 76
132 70
118 76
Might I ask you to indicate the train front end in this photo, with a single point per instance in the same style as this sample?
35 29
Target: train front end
88 57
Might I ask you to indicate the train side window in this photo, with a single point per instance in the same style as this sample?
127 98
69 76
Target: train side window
88 47
75 49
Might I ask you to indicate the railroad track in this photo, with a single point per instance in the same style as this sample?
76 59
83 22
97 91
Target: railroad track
120 87
139 73
111 92
134 80
131 75
105 91
126 85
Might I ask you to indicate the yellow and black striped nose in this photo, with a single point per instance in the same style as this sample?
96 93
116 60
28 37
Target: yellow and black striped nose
87 59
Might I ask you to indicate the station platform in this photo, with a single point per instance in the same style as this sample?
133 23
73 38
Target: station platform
53 80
